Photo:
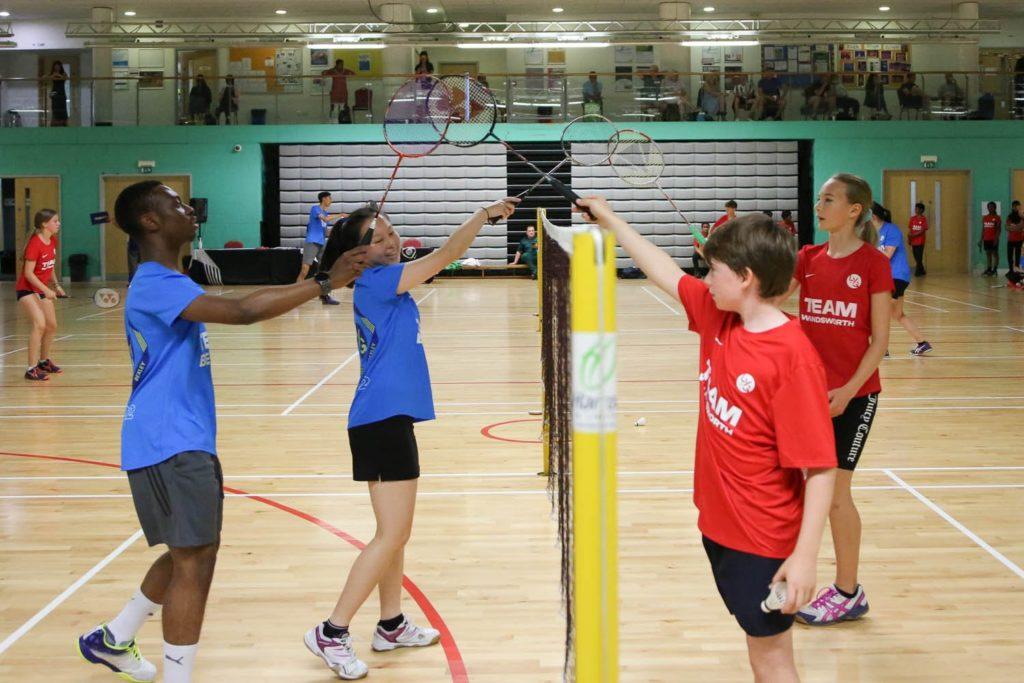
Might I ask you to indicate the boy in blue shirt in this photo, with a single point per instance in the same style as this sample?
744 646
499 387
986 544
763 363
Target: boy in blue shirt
168 436
316 236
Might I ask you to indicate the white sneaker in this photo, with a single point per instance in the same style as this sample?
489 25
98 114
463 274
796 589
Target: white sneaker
407 634
124 659
337 653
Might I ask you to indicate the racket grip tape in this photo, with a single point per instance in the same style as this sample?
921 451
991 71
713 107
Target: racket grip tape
567 193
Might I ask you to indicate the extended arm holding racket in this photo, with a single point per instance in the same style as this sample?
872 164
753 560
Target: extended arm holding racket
419 271
657 265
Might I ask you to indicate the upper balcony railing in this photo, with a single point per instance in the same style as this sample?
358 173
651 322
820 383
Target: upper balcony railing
152 99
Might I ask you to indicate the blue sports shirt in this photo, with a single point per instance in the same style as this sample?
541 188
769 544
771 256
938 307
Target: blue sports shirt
171 407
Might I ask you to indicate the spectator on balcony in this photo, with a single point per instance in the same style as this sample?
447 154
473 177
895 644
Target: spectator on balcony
200 97
950 93
339 86
821 98
710 99
424 66
911 95
874 98
743 98
771 100
847 108
228 104
674 100
58 95
592 94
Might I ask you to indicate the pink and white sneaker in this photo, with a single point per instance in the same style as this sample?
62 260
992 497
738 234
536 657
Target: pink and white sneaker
337 653
831 607
407 634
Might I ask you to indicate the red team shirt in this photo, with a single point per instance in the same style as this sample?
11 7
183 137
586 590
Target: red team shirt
835 307
789 225
990 225
721 219
45 255
763 416
918 227
1013 236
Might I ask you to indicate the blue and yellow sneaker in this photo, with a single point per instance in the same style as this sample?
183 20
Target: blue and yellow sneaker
124 659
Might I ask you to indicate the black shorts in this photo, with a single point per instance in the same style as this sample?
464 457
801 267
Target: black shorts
899 287
180 501
851 430
385 450
22 293
743 581
991 245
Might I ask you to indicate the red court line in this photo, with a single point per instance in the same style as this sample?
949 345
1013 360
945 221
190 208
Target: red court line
488 431
456 666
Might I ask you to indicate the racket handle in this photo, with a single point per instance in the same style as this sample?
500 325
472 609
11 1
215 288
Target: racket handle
367 238
567 193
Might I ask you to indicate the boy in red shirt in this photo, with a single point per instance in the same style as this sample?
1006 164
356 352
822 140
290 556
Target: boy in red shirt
918 227
730 213
763 418
991 224
1014 236
787 222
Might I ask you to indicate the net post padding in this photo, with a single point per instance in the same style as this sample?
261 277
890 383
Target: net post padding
595 524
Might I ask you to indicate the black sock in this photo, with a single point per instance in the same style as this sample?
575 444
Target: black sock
332 631
848 596
391 624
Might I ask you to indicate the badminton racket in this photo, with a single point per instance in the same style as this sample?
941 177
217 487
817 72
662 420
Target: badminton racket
475 113
412 127
638 161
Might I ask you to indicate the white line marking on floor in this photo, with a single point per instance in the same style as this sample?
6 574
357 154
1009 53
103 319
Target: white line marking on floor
957 525
68 592
660 301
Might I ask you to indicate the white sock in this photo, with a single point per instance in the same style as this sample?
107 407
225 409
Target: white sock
178 660
126 624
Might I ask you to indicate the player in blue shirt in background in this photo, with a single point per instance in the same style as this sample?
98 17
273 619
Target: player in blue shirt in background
168 436
393 393
316 237
890 241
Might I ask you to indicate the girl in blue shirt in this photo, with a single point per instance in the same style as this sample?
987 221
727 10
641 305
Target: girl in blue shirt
393 393
890 242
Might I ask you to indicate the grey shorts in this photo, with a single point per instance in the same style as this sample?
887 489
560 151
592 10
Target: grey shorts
180 501
311 251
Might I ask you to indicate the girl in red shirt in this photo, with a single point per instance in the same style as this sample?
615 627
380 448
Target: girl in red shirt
991 225
918 229
1014 236
845 291
36 289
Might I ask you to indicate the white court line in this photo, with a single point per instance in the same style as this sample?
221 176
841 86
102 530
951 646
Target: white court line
956 301
95 315
660 301
332 373
957 525
66 336
495 492
914 303
68 592
1013 328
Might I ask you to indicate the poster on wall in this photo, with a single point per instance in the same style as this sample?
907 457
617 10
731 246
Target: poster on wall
266 69
644 55
119 58
734 55
534 56
890 60
624 55
319 58
120 79
288 69
151 58
710 56
151 80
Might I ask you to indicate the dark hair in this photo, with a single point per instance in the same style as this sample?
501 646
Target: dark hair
1015 202
882 212
731 204
991 205
786 213
320 196
754 242
768 213
346 235
43 216
58 64
134 201
919 205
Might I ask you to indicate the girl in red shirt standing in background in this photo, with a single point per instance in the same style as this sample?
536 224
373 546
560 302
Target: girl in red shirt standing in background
845 305
36 289
1014 236
918 227
991 224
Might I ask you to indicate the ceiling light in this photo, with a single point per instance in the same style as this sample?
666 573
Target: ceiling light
552 45
350 46
884 8
129 13
709 9
711 43
557 10
280 11
463 24
5 13
432 10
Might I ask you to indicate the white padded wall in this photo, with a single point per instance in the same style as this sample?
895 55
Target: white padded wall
700 177
431 196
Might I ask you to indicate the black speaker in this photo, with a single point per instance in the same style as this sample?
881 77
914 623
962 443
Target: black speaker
199 206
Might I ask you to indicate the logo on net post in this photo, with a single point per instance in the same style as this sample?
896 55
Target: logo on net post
593 379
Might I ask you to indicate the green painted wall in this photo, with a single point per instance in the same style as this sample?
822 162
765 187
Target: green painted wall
233 181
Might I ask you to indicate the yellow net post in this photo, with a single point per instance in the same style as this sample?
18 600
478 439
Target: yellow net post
545 465
595 525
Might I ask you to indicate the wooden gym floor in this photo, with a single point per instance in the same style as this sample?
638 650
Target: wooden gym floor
941 490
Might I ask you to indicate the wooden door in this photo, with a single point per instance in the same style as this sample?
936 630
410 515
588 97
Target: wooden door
1017 185
115 241
31 195
946 196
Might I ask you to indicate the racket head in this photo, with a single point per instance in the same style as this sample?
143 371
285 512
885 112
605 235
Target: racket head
411 128
636 158
474 111
588 140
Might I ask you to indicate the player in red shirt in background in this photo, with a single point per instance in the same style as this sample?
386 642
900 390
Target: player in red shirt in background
1014 236
763 418
991 224
730 213
918 226
787 222
845 306
35 293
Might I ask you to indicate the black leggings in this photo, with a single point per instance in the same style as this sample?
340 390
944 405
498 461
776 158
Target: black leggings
918 250
1013 254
